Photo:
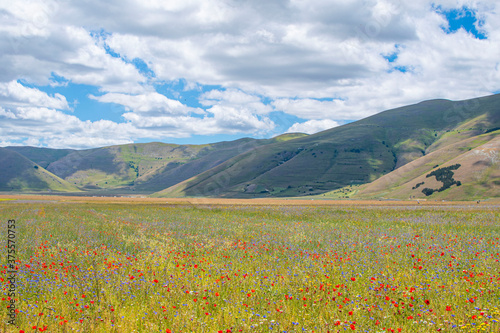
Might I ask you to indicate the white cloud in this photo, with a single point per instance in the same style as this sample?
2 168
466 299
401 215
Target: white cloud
34 46
224 120
318 60
228 112
236 120
312 126
53 128
14 93
235 99
310 108
152 102
56 129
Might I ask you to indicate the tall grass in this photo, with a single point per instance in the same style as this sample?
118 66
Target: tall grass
151 268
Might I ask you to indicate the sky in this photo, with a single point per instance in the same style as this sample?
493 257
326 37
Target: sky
86 74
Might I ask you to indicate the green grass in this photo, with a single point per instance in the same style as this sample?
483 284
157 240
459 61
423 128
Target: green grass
355 153
20 174
151 268
288 136
41 156
291 164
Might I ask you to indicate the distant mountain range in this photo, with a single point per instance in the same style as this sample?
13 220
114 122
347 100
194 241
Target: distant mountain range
434 149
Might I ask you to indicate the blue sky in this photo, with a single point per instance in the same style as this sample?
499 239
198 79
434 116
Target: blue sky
462 18
207 71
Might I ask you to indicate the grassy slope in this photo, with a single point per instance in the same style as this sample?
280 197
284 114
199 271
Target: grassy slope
355 153
117 166
479 173
144 167
209 158
20 174
41 156
288 136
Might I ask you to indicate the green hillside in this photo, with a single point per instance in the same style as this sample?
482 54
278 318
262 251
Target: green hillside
470 168
378 156
119 166
207 158
20 174
141 168
355 153
41 156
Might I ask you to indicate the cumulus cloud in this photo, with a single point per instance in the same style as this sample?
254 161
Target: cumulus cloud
234 120
221 120
14 93
53 128
312 126
309 108
152 102
236 100
330 49
322 61
35 45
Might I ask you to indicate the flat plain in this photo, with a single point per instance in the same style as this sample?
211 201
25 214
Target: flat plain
209 265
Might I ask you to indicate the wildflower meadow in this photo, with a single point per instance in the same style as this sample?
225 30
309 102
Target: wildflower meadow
106 267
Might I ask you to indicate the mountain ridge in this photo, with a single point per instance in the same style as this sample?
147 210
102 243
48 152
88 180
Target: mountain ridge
288 165
354 153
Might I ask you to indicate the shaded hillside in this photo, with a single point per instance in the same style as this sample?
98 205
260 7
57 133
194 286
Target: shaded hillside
471 167
20 174
117 166
145 167
207 158
41 156
355 153
405 143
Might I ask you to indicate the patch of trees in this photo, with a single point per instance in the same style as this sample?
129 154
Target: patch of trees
444 175
492 130
134 167
417 185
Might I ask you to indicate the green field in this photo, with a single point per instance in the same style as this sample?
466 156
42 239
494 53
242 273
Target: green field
105 267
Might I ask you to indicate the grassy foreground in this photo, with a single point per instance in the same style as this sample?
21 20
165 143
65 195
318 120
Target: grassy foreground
151 268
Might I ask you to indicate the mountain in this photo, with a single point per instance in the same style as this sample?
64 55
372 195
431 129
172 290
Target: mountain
210 157
449 149
468 169
138 168
41 156
356 153
19 174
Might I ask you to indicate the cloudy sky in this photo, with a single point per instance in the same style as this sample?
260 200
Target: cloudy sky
88 73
